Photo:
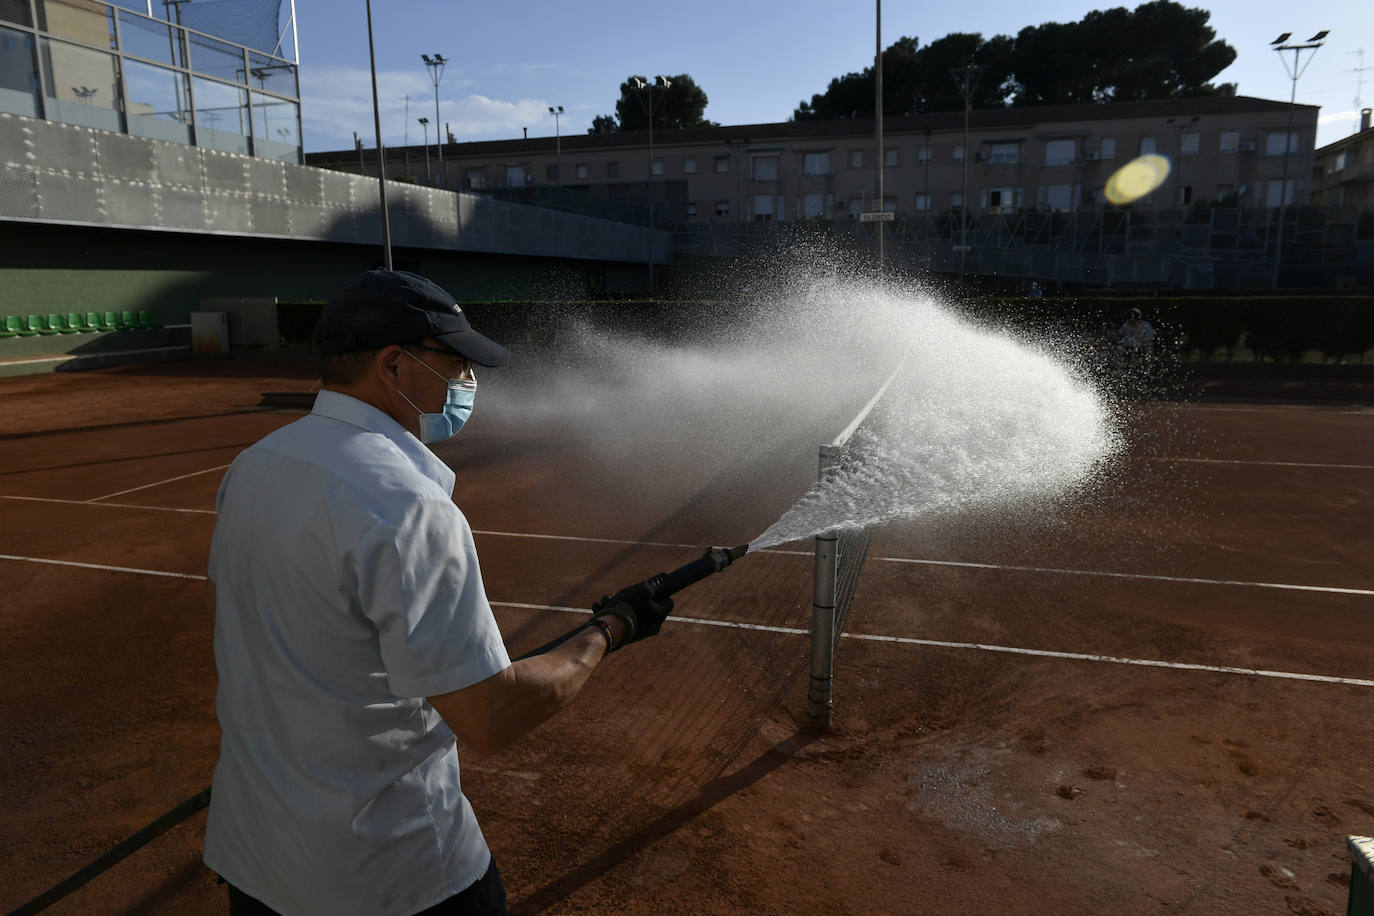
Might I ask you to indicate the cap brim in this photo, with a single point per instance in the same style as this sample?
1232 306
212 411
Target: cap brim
474 346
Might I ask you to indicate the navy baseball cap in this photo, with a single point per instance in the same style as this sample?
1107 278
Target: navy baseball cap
382 307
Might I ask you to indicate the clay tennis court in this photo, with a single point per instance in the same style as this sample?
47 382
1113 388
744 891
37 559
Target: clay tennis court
1158 700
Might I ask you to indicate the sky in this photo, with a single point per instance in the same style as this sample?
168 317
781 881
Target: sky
756 59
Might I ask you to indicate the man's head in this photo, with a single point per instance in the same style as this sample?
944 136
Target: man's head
390 338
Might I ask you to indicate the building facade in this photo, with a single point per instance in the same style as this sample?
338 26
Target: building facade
149 68
1236 151
1343 174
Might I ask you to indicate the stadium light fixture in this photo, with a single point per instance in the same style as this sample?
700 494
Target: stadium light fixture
557 113
1294 72
436 64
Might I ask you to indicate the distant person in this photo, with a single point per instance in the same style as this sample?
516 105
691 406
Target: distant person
353 636
1035 291
1137 338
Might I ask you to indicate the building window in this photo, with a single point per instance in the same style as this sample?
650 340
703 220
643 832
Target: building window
656 167
959 153
765 168
856 206
1226 193
1059 197
1059 152
1273 145
691 209
582 170
722 163
1147 145
762 207
722 208
856 159
1272 195
889 158
515 176
922 203
815 164
613 170
689 166
551 173
956 200
475 179
813 205
998 200
1185 194
1187 145
1230 141
923 156
1004 152
1108 148
889 205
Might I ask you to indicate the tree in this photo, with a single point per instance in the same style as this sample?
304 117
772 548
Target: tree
1159 50
681 104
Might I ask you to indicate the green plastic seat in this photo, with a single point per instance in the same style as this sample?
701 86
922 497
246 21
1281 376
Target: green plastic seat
76 323
145 319
19 325
10 326
127 319
110 321
93 321
40 324
58 322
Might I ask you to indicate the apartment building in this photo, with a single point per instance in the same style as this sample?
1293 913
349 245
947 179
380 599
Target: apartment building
1343 173
1051 158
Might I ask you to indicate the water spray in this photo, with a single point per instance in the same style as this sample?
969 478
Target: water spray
664 585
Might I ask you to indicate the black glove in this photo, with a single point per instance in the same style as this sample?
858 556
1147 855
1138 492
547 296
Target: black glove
641 612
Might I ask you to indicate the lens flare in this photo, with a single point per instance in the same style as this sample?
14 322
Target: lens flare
1137 178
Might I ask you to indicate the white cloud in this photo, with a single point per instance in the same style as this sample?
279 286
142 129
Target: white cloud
336 101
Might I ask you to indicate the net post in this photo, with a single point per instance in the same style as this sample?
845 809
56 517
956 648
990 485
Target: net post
819 701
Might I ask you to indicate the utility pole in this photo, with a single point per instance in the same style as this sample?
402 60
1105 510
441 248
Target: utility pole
436 73
358 145
1280 45
429 175
965 77
381 150
1359 72
660 82
557 113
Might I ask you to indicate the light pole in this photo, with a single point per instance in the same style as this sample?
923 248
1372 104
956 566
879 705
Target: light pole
558 139
429 176
965 77
436 73
1280 45
880 159
660 82
381 150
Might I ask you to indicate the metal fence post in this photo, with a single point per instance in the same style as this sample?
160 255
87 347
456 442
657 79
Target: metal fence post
819 702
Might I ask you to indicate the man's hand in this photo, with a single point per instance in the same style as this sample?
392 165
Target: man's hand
641 613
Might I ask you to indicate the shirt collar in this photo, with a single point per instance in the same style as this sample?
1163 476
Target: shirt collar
348 409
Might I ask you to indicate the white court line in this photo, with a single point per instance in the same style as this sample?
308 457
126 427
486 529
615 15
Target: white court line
795 631
147 486
981 647
124 569
1274 464
803 553
83 502
1119 575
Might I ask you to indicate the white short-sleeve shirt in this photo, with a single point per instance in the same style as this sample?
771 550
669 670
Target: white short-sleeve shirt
347 590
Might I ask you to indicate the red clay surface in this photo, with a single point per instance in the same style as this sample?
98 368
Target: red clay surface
957 779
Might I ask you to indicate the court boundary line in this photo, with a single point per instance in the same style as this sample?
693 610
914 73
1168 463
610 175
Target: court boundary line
797 631
149 486
916 561
1273 464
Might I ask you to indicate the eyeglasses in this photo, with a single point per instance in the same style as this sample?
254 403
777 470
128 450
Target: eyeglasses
467 363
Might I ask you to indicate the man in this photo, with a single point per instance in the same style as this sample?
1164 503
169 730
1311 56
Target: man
353 637
1137 336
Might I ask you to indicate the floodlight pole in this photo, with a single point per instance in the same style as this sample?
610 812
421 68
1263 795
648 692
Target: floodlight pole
436 73
381 150
964 76
557 113
429 175
1294 72
878 124
660 82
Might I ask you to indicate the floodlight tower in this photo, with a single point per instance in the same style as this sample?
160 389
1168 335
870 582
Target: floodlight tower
435 64
1281 44
660 82
557 113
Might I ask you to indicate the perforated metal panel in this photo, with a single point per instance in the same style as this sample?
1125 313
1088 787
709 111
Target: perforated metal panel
181 208
229 213
18 192
16 144
69 198
118 156
130 203
224 172
175 165
266 177
62 147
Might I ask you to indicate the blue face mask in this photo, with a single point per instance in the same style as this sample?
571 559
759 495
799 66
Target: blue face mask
462 394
